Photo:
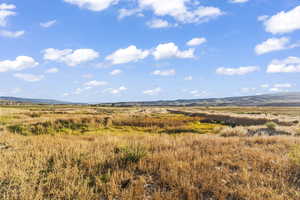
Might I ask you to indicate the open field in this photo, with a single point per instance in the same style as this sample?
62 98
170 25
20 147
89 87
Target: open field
166 153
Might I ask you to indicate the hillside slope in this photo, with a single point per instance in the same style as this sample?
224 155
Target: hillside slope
31 101
279 99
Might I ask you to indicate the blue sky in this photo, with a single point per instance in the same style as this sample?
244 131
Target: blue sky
129 50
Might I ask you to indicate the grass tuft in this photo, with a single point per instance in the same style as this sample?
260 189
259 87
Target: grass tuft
234 132
131 154
271 125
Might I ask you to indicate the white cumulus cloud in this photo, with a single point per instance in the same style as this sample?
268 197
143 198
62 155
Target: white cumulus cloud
95 83
93 5
20 63
70 57
158 23
5 6
129 54
283 85
48 24
288 65
11 34
196 41
238 1
272 44
284 22
169 50
115 72
236 71
118 90
52 70
197 93
153 92
280 87
180 10
29 77
123 12
169 72
275 90
6 10
262 18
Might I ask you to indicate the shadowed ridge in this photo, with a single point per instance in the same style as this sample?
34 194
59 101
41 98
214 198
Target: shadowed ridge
277 99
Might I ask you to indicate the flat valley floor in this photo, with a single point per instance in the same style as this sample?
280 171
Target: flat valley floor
164 153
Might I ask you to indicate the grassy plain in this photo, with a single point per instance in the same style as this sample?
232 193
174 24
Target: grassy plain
82 152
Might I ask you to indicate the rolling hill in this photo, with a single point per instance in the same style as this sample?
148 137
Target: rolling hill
278 99
31 101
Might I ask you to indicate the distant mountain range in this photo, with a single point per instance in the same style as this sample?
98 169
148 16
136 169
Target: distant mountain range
31 101
278 99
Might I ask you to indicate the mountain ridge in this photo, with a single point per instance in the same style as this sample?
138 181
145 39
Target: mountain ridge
31 100
276 99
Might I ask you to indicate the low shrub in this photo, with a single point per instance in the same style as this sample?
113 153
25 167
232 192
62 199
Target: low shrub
295 155
57 126
105 178
180 130
18 128
34 115
154 121
271 125
297 132
217 129
234 132
131 154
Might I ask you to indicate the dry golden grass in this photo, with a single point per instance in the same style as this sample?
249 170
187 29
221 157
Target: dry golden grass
160 121
148 167
233 132
131 159
35 123
251 111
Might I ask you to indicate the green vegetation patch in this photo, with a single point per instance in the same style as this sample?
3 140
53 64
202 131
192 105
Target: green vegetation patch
67 126
123 124
6 119
165 123
131 154
193 127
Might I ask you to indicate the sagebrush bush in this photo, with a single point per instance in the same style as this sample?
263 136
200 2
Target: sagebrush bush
295 155
132 153
271 125
154 121
217 129
34 114
297 132
234 132
79 125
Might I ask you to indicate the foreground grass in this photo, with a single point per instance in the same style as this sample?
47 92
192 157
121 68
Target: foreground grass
160 167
